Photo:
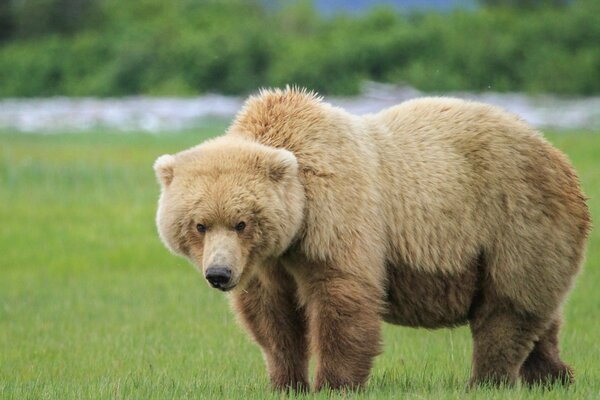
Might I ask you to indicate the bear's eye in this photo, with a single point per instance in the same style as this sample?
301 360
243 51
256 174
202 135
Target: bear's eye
201 228
240 226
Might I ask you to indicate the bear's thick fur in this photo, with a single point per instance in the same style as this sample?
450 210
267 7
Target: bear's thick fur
434 213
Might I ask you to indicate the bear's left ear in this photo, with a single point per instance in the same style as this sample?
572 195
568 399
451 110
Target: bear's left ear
164 168
283 163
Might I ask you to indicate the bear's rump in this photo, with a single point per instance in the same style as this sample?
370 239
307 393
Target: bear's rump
430 300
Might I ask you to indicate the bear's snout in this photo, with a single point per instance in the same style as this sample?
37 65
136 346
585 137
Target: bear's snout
218 276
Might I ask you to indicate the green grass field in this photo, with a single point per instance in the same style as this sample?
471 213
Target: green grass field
93 306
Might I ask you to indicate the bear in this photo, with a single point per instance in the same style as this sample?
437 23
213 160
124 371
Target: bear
437 212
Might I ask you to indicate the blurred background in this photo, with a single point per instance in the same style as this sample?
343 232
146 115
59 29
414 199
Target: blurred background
385 51
93 306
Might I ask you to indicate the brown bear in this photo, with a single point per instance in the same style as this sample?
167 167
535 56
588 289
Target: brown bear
434 213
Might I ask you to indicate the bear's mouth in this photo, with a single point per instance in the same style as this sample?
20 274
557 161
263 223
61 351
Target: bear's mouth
226 289
221 287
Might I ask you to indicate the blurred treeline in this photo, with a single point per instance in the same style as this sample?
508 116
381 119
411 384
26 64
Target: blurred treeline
186 47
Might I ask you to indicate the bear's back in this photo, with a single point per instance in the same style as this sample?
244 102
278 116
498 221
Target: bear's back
469 173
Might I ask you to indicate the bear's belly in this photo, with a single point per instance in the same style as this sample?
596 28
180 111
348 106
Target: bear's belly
422 299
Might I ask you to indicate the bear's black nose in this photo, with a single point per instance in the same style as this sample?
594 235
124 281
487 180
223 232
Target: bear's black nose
218 276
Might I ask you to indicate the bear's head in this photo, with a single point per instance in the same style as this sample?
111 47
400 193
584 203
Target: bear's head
229 205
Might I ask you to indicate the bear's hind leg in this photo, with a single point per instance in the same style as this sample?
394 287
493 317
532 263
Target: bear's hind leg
502 340
270 311
543 366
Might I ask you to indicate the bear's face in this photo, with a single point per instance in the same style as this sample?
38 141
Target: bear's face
228 206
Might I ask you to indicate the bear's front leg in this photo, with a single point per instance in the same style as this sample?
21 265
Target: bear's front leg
269 310
344 329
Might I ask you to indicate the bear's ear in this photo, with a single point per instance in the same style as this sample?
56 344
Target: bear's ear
283 163
164 167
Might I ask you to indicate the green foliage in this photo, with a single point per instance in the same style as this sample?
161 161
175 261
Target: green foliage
186 47
36 18
527 4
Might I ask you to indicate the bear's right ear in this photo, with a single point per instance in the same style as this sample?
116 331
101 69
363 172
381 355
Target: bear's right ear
164 167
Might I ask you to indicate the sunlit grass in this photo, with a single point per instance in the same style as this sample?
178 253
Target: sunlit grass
93 306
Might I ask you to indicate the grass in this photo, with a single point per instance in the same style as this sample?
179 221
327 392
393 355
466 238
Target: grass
93 306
